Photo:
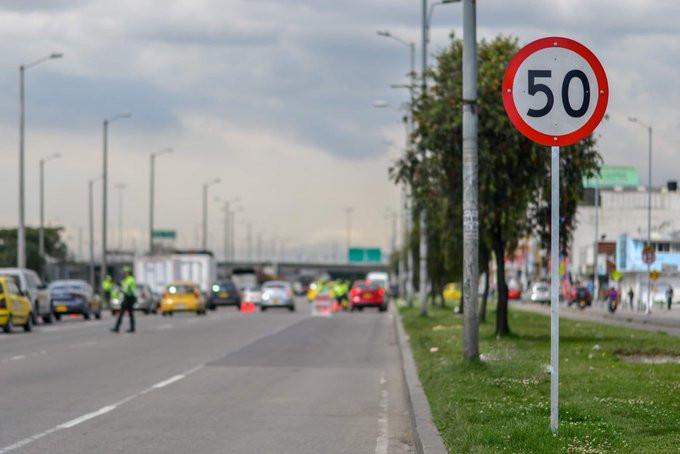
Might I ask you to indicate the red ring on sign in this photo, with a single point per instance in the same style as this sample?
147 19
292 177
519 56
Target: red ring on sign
523 126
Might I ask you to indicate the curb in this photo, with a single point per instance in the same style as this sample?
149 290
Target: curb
426 437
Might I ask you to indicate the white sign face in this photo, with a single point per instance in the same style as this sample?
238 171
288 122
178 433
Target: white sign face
555 91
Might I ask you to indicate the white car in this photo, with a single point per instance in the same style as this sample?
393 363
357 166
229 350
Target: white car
540 293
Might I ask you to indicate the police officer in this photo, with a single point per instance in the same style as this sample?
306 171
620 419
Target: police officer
107 289
128 287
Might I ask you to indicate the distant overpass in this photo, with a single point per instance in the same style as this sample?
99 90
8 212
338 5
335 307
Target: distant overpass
290 270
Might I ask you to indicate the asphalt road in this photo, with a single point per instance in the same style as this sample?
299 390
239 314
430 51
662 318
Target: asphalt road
274 382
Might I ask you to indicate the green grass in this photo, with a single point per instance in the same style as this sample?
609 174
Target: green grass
502 402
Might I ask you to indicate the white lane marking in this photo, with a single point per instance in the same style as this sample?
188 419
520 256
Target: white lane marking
382 442
170 380
166 326
17 357
94 414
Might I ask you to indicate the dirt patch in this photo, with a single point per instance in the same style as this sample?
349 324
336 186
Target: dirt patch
650 359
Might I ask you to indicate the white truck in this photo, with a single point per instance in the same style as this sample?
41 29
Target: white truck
159 271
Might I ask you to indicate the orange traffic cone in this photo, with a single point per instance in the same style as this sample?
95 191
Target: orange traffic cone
247 306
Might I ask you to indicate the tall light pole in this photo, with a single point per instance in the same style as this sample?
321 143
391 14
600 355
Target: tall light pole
204 242
41 241
648 309
232 230
348 214
470 191
21 229
105 184
151 193
405 274
120 187
91 222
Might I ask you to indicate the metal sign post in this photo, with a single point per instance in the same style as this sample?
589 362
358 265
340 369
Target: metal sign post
555 92
554 286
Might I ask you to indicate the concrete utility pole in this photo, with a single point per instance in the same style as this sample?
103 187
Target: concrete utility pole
597 240
91 222
470 203
423 224
120 187
21 228
204 241
41 240
348 212
648 308
105 184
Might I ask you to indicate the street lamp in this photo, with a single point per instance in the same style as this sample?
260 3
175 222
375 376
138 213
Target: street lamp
348 212
120 187
41 241
105 181
21 230
151 193
205 211
649 208
91 220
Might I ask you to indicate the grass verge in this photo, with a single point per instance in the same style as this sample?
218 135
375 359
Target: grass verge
502 402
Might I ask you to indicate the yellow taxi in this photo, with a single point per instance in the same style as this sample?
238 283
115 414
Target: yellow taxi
15 308
182 296
451 292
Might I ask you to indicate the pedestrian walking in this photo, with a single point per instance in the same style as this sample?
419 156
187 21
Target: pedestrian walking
128 287
631 295
669 296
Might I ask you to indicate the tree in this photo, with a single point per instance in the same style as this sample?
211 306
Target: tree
514 172
54 247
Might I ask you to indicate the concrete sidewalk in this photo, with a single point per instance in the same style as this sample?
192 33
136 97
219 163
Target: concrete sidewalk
659 320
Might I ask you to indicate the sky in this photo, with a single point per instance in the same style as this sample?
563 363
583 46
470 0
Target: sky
276 98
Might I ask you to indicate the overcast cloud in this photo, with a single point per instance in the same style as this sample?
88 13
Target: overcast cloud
275 97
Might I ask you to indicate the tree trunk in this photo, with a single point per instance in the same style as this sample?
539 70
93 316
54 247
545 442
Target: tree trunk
502 328
485 294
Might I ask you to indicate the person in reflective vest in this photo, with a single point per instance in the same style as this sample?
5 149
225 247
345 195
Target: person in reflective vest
107 289
127 287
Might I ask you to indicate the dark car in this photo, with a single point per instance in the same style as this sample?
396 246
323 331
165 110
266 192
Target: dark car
224 293
74 297
580 296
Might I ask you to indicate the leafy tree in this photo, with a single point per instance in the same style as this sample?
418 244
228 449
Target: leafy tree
514 172
54 247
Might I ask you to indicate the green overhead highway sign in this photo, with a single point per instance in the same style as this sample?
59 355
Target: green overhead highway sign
172 234
356 254
614 176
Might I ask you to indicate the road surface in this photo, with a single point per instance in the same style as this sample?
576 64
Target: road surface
274 382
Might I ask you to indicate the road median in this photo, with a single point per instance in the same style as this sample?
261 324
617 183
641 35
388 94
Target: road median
618 386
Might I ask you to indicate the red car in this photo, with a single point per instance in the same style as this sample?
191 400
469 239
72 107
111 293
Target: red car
514 293
367 294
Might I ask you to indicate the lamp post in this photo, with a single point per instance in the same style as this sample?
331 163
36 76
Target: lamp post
105 181
648 309
91 222
405 274
204 242
151 193
427 19
348 213
232 231
21 230
120 187
41 240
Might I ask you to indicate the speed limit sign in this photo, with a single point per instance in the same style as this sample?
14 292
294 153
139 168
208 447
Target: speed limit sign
555 91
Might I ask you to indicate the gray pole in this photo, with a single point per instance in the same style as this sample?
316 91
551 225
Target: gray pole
232 234
596 245
91 222
120 187
554 296
41 236
105 184
649 222
21 232
470 210
151 196
423 223
348 220
227 213
204 241
250 241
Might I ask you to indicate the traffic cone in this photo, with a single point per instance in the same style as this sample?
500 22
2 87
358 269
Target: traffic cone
247 306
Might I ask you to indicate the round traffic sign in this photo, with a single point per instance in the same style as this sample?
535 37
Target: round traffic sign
555 91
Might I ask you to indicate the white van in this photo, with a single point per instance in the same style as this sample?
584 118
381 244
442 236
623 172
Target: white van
33 287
